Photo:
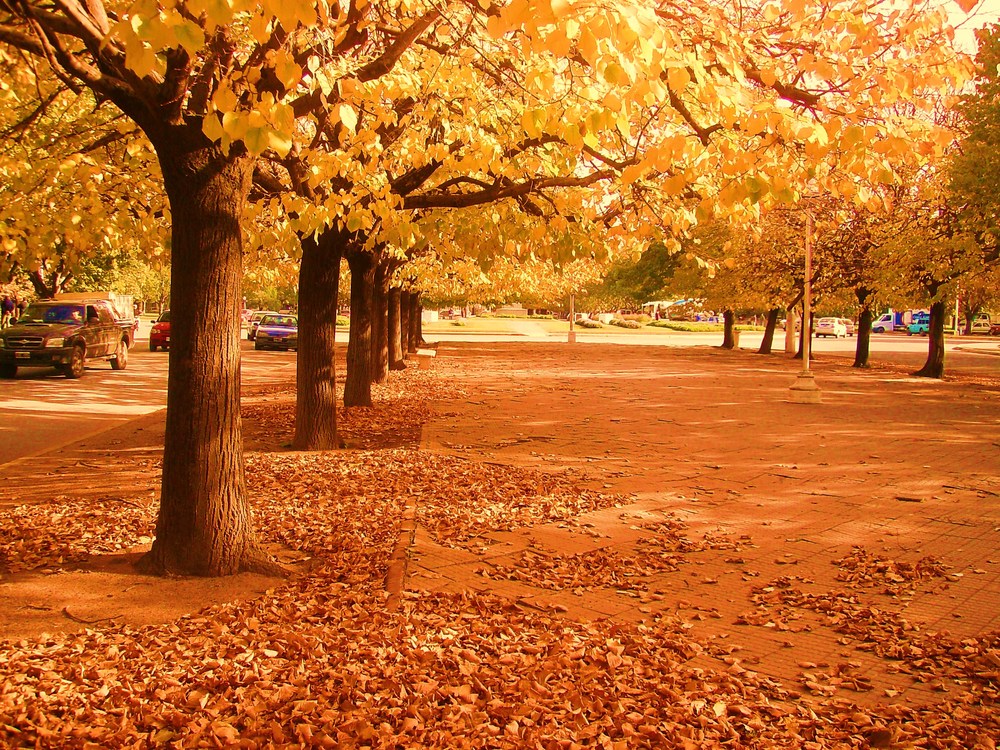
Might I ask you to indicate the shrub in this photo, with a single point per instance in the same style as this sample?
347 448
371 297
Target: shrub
683 325
637 317
343 320
587 323
458 322
626 323
542 317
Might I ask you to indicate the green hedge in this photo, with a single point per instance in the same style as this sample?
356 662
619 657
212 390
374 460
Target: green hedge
586 323
626 323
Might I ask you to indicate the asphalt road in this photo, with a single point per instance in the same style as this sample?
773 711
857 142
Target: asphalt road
41 410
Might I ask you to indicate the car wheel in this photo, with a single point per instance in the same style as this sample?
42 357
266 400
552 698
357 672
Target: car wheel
77 363
152 347
257 346
120 360
8 371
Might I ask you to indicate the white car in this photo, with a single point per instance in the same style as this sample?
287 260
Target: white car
831 327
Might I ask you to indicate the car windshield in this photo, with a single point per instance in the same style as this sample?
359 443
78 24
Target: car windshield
281 321
52 314
164 317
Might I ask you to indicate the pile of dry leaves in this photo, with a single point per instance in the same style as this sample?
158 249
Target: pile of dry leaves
321 661
666 548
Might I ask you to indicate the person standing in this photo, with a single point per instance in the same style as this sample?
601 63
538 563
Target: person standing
7 308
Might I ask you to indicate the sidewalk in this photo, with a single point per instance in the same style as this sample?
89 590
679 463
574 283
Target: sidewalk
846 547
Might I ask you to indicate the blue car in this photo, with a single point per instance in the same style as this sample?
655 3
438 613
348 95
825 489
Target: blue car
277 332
920 324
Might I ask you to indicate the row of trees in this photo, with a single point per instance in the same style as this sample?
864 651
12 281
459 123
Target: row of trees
389 132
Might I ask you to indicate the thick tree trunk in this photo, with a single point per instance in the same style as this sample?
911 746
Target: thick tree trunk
772 322
395 331
416 323
728 340
863 349
358 383
380 322
404 322
315 383
934 367
204 526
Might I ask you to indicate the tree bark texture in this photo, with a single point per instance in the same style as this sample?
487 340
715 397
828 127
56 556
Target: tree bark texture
404 322
395 330
728 340
380 322
772 322
204 527
862 350
934 367
358 383
416 323
315 382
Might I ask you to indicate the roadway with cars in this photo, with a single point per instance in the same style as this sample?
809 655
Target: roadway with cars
41 410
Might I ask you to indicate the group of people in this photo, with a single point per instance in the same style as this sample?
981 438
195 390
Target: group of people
11 309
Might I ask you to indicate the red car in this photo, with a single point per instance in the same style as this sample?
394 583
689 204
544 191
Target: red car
159 335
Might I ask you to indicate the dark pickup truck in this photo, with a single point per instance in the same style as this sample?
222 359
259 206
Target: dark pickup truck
65 335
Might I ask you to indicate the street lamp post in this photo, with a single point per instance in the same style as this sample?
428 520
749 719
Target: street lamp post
804 390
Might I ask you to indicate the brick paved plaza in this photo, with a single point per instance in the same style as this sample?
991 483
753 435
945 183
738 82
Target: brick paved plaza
886 472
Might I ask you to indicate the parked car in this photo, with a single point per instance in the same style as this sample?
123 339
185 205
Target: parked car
255 321
159 334
277 332
920 324
831 327
65 335
994 329
982 323
849 325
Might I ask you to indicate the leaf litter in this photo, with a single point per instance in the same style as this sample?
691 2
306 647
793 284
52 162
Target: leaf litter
320 661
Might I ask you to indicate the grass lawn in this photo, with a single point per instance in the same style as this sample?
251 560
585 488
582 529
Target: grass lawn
515 325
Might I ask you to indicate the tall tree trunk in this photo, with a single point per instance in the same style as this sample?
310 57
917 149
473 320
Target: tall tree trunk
863 349
204 526
728 340
395 331
416 323
315 381
934 367
380 322
772 322
404 322
358 383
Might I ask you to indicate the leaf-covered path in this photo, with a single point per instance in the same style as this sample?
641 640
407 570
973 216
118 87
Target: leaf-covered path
610 548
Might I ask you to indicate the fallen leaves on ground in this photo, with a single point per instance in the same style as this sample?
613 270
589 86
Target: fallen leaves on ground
896 577
927 656
67 532
665 549
319 661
